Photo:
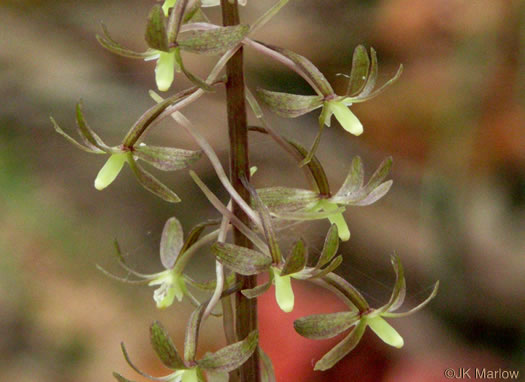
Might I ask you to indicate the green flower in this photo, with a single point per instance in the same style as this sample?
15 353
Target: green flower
300 204
175 252
359 317
129 151
362 81
165 44
212 367
269 258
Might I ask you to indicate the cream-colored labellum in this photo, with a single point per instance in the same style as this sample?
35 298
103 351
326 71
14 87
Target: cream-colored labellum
110 170
283 292
385 331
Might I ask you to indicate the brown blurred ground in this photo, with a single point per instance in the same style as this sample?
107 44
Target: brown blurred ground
454 124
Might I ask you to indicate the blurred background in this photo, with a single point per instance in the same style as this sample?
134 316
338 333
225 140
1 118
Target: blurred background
454 124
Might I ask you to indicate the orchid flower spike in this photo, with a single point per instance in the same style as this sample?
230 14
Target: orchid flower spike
360 316
299 204
129 151
362 81
212 367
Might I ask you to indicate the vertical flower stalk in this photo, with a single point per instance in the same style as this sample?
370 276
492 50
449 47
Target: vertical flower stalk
245 309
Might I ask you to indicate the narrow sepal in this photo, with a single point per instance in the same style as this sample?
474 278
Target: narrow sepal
232 356
385 331
120 378
289 105
107 42
152 184
330 247
334 264
399 292
164 347
212 41
242 260
417 308
192 333
259 289
296 260
360 70
171 242
132 365
175 20
267 371
279 199
87 133
167 158
322 326
342 348
264 213
156 34
193 78
380 174
139 127
72 140
376 194
348 290
196 232
365 97
323 86
354 180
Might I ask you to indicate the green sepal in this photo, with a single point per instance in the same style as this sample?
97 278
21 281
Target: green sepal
156 34
267 370
73 141
166 158
264 213
171 242
212 41
385 331
175 21
334 264
360 70
120 378
289 105
232 356
356 299
108 43
259 289
279 199
164 347
241 260
191 338
152 184
353 183
296 260
417 308
399 292
110 170
342 348
322 326
140 126
194 79
322 85
196 232
283 291
91 139
330 247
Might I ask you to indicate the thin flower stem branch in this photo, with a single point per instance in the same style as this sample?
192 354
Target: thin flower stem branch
215 162
185 257
261 48
219 268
